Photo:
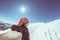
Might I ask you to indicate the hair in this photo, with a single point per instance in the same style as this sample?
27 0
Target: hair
22 21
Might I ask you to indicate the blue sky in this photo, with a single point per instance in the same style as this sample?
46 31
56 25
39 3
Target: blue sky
36 10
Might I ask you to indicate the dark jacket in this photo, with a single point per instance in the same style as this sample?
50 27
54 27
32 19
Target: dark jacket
23 30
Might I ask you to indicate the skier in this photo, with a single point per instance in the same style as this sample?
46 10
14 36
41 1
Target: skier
22 27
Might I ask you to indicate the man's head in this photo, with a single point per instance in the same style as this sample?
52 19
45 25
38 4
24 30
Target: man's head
23 21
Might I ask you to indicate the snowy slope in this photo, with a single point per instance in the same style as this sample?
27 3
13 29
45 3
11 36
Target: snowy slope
4 27
7 34
45 31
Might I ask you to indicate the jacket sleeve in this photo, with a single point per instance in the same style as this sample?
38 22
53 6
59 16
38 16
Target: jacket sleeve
16 28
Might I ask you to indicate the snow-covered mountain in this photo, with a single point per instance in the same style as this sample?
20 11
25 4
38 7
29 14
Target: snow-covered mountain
4 26
7 34
45 31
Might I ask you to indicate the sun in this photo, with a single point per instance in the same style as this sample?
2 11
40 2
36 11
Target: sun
23 9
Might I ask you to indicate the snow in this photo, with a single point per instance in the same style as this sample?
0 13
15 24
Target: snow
5 31
45 31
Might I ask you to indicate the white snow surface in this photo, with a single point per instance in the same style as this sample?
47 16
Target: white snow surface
5 31
45 31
